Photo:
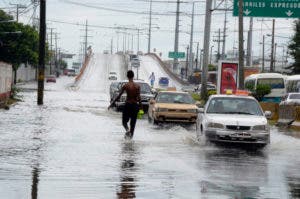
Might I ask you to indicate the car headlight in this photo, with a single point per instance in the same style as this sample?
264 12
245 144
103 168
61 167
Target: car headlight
215 125
192 110
260 128
161 109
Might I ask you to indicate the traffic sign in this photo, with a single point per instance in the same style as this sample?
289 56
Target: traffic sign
269 8
179 55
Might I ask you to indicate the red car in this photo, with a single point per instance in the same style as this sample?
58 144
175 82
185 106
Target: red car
51 78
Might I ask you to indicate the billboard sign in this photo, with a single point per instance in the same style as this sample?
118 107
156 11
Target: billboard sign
227 76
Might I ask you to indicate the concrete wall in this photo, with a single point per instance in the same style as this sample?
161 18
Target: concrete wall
26 73
5 80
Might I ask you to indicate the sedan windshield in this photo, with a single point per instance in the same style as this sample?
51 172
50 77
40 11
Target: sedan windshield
177 98
234 106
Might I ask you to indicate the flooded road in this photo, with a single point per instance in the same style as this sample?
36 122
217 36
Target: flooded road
73 147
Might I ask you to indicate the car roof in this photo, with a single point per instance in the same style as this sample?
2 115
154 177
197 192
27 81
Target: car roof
293 77
265 75
180 92
231 96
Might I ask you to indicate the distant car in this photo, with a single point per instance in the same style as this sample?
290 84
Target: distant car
189 89
291 98
146 95
172 106
163 81
112 89
112 76
51 78
209 86
105 52
234 119
133 56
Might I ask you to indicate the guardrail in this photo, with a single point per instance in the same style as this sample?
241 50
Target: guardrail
84 65
166 69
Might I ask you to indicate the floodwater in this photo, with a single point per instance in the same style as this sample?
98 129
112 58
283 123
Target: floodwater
73 147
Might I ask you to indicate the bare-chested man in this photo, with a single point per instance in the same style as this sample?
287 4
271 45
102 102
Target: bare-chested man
132 105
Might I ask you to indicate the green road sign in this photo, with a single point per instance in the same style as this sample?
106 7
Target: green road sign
179 55
269 8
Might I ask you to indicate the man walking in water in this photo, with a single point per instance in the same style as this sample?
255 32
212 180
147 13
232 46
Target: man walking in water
132 105
152 79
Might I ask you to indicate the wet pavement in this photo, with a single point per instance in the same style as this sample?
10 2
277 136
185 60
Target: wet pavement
73 147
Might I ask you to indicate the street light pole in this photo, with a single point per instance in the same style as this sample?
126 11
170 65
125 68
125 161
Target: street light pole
206 48
211 54
150 26
42 36
241 46
192 39
272 48
263 54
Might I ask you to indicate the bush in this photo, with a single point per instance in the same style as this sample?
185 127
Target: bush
261 91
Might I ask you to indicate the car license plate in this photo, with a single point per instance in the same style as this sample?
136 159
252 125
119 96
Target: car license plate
241 135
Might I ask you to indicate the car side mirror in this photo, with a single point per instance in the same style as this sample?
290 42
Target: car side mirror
199 104
200 110
268 114
152 101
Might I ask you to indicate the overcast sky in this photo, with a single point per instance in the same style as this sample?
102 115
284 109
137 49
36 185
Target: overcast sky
130 14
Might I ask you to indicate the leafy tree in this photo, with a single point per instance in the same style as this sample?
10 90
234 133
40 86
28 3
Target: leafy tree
294 48
20 43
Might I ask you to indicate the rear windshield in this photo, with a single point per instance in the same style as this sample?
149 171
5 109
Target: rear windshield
177 98
294 96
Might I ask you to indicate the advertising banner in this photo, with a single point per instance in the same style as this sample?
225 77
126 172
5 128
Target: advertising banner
227 76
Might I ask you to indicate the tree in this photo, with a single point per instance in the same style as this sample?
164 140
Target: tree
20 43
294 49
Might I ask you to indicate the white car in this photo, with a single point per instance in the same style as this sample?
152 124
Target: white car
235 120
292 98
112 76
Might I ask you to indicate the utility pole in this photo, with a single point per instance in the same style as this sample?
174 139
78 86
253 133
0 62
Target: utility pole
272 47
274 66
249 44
51 32
19 6
42 36
138 40
175 64
191 59
55 60
187 62
206 37
86 40
224 32
218 40
241 46
132 42
200 60
197 55
211 54
263 54
117 41
150 26
111 45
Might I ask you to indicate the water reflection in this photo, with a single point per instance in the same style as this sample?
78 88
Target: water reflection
35 182
294 186
127 188
234 173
